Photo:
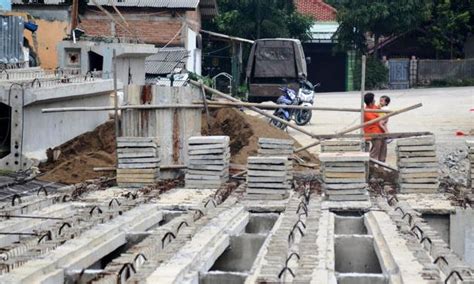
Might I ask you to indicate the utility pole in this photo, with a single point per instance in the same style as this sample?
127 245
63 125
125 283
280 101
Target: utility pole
74 14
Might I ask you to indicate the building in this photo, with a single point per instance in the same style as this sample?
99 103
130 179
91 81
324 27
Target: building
161 23
338 66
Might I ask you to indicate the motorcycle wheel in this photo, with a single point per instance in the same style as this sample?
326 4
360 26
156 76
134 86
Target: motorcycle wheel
303 116
277 123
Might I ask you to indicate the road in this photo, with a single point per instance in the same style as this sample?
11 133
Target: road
444 112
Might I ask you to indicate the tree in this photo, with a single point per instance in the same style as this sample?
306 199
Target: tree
254 19
359 18
449 24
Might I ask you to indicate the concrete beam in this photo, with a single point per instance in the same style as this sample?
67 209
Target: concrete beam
205 247
85 250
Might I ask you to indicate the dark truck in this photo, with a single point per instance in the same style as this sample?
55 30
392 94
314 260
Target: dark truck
274 63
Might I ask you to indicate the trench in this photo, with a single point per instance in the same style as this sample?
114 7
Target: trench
234 264
355 257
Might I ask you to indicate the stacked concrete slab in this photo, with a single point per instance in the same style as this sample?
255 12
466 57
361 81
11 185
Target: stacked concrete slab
208 161
138 161
418 165
275 147
345 175
340 145
470 153
268 178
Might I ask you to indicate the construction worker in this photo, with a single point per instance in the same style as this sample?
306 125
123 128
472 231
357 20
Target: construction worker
378 146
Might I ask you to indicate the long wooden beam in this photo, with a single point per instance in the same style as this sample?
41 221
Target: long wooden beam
341 133
255 109
276 106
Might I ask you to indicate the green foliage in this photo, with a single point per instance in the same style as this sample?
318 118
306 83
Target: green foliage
254 19
359 18
449 24
452 83
376 75
206 80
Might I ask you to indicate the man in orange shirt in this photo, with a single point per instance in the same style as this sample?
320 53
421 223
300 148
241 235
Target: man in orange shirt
378 149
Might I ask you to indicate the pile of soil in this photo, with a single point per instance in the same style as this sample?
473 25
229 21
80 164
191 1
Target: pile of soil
74 161
244 131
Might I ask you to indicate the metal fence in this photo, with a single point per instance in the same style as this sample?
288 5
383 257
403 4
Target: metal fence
430 70
11 39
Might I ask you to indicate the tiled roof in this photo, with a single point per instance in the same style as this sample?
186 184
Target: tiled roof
176 4
166 60
45 2
318 9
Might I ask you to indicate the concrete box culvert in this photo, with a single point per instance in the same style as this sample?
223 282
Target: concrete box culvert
261 223
361 278
240 254
219 277
349 225
356 254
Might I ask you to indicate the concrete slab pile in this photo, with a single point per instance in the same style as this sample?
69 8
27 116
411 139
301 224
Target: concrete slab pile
275 147
268 177
208 161
418 165
345 175
138 161
470 153
341 145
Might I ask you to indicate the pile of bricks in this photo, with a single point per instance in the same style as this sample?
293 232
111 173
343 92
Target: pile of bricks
470 153
209 160
138 161
418 165
275 147
268 178
341 145
345 175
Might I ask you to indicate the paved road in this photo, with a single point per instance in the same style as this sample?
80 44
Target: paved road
444 111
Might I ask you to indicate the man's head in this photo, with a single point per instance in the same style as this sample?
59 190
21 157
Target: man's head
369 99
384 101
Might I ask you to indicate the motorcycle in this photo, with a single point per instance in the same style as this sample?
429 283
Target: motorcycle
304 97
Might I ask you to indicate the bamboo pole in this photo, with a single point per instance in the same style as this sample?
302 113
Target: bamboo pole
116 116
393 135
341 133
106 108
382 164
216 92
263 106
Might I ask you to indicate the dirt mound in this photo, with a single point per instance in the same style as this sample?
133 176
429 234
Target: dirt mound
244 131
73 161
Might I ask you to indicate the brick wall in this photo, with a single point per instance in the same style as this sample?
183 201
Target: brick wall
151 27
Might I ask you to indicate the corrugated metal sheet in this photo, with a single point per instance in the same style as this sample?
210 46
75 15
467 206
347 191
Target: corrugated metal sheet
46 2
182 4
166 61
208 8
11 39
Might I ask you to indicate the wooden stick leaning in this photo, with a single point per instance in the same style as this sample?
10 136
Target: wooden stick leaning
341 133
230 98
265 106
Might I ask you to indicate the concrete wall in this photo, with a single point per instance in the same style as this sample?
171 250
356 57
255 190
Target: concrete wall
429 70
33 132
172 127
53 27
462 234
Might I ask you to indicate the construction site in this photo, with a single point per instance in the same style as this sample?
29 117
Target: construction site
108 176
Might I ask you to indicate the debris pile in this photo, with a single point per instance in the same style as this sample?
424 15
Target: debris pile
454 167
208 165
